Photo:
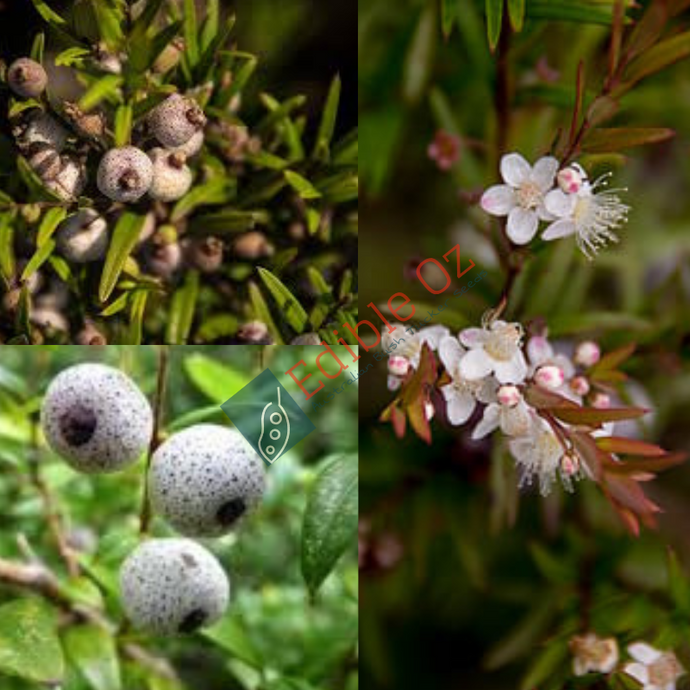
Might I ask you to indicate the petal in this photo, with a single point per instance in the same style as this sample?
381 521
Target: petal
543 214
559 203
641 651
473 337
522 225
561 228
450 351
539 350
579 666
488 422
433 335
498 200
544 171
637 671
476 364
512 371
460 407
515 169
486 393
394 383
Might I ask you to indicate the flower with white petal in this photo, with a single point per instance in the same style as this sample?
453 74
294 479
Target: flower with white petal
550 369
410 346
461 394
593 654
510 413
589 214
494 349
654 669
522 197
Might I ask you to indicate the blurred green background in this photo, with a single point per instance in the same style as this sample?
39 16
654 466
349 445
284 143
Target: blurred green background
273 637
454 595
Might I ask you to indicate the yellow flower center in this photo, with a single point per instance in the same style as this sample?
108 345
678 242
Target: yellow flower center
529 195
502 342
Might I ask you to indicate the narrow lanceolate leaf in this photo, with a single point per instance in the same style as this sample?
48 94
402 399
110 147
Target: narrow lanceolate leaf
93 651
516 12
293 311
494 17
544 399
657 58
49 223
38 46
420 57
449 15
38 259
29 645
629 446
611 360
137 310
301 185
209 30
123 125
122 243
636 466
50 15
105 87
182 310
324 297
328 120
606 140
190 33
590 416
262 312
569 11
330 519
7 258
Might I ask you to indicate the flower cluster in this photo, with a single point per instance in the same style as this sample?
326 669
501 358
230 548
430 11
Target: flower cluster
652 668
565 199
556 410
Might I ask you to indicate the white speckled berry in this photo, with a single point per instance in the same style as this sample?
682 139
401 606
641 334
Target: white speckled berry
96 418
175 121
70 181
204 479
193 146
83 237
172 178
125 174
172 586
27 78
44 129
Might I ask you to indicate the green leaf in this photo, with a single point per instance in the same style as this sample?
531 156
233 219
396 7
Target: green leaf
209 30
122 243
38 259
516 12
494 18
606 140
330 519
71 56
263 313
324 296
123 125
227 222
216 381
230 634
301 185
569 11
217 326
655 59
420 56
117 305
205 66
450 10
289 305
109 18
328 121
49 223
92 650
182 308
137 309
29 645
7 257
217 190
545 665
104 87
50 16
190 33
38 46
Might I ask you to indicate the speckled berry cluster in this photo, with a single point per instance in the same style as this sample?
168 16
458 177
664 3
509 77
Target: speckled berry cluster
202 481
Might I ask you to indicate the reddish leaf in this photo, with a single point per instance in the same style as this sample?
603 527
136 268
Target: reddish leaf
611 139
544 399
655 59
647 31
591 416
609 376
628 493
629 446
601 109
590 454
398 420
658 464
418 420
579 98
616 36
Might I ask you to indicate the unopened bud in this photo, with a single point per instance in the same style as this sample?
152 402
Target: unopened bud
398 366
570 465
587 354
570 180
579 385
601 401
509 396
255 333
549 376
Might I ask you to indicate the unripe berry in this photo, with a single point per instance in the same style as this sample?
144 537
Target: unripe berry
96 418
43 129
49 319
125 174
176 120
255 333
307 339
27 78
45 161
587 354
204 479
172 586
193 146
253 245
70 181
172 178
83 237
164 258
205 253
90 335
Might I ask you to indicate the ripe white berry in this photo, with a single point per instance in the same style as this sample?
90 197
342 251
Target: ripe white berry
125 174
204 478
96 418
43 129
193 146
307 339
27 78
45 161
172 178
176 120
205 253
172 586
83 237
70 181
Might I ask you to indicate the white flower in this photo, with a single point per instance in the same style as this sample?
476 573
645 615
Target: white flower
592 654
539 454
495 348
462 394
589 214
510 413
655 670
522 197
543 359
411 345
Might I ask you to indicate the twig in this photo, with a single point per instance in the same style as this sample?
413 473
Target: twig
159 409
34 577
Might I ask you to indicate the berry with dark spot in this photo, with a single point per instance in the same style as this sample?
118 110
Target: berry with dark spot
125 174
27 78
175 121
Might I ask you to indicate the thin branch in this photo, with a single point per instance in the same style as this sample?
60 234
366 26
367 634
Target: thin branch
35 577
156 437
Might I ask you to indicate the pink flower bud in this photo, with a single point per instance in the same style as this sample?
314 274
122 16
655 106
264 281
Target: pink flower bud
509 396
579 385
398 365
587 354
570 465
570 180
601 401
394 382
549 376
